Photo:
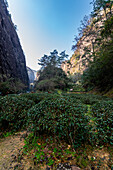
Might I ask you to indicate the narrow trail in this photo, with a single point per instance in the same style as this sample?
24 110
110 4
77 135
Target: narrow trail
10 153
11 157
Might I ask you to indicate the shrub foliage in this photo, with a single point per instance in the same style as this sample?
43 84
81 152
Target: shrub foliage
75 118
103 114
13 112
60 118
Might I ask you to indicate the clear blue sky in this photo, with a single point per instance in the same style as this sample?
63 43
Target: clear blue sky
45 25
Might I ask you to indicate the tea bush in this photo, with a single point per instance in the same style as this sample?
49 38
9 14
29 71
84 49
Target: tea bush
37 97
34 96
103 114
75 118
60 117
87 98
13 112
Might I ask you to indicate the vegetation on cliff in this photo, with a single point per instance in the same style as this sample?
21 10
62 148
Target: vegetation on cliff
99 73
13 73
93 56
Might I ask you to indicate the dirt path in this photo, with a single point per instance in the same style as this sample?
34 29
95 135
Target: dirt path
12 158
11 154
10 150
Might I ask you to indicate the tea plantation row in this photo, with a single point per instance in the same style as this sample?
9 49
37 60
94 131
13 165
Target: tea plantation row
76 118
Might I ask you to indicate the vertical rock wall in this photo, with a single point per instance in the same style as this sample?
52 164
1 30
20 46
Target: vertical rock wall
12 59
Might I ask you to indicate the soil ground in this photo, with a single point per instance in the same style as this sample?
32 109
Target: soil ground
10 150
12 158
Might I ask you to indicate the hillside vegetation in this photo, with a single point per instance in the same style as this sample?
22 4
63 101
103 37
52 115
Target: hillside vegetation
77 120
93 50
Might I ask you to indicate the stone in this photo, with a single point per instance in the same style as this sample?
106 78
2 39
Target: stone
75 168
12 59
31 75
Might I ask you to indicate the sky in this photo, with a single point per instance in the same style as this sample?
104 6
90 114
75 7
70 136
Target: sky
45 25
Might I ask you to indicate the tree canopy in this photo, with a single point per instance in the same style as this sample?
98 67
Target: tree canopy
51 75
53 59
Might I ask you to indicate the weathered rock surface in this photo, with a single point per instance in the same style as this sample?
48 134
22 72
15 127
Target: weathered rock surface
85 46
31 75
12 59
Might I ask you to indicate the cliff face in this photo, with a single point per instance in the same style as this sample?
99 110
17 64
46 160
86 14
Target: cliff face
32 74
86 46
12 59
74 65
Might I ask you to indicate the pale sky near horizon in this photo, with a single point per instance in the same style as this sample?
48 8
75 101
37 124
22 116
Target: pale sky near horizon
45 25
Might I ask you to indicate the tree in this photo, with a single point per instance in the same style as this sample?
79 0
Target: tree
99 5
100 71
53 59
51 75
83 29
107 32
85 41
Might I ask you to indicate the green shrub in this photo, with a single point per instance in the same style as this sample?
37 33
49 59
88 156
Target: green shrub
75 118
34 96
37 97
11 86
86 98
103 114
77 88
13 112
51 84
82 98
59 117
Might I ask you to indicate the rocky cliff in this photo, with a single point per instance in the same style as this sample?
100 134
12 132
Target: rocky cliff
12 59
86 46
31 75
